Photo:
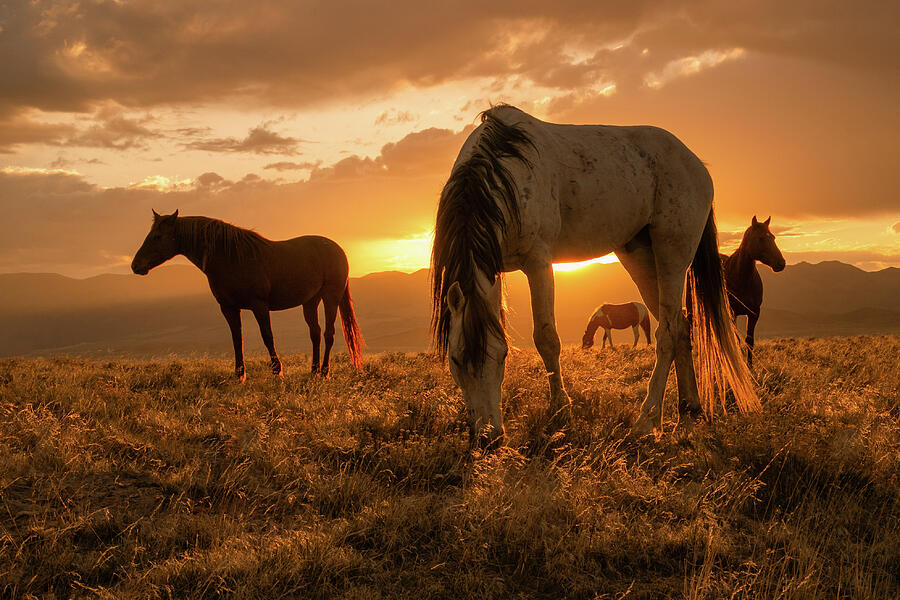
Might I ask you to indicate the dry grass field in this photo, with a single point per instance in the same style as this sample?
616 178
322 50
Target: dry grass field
166 479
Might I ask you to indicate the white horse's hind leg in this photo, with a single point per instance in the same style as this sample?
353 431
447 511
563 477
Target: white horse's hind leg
636 336
546 339
688 399
669 330
671 265
661 288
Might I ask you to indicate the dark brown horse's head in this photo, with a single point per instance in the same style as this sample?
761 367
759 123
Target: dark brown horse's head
159 246
759 242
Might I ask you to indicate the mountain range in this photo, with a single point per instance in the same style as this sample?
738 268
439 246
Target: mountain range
172 311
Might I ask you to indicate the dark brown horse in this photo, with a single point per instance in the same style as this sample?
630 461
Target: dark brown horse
247 271
742 280
617 316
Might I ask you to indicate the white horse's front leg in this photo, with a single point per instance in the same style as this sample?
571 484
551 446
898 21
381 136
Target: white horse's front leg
546 339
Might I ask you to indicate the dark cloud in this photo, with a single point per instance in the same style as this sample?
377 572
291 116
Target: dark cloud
62 162
20 128
112 129
211 181
109 128
259 140
69 56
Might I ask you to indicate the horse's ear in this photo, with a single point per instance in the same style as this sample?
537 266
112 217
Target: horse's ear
767 221
455 298
755 222
175 214
155 215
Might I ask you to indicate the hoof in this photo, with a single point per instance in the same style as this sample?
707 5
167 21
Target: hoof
487 440
561 416
241 377
276 367
685 427
645 427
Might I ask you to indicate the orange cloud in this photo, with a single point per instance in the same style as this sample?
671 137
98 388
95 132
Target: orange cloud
57 221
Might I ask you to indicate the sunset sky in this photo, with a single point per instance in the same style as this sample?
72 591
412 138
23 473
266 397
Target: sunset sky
344 118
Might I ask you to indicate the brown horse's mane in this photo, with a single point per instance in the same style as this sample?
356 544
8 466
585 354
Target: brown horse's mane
213 237
469 218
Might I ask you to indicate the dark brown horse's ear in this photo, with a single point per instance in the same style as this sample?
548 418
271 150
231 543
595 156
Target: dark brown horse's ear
455 298
175 214
755 222
155 214
766 222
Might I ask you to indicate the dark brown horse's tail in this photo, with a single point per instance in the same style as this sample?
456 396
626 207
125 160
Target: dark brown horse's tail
720 359
352 335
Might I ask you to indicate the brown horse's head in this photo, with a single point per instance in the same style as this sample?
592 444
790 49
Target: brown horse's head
587 340
759 242
159 246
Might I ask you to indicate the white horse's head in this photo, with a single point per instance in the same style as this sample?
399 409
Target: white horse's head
477 348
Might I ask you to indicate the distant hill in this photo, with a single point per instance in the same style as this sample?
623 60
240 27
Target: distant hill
172 310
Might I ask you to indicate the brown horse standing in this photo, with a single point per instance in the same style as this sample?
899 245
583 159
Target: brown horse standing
617 316
742 280
247 271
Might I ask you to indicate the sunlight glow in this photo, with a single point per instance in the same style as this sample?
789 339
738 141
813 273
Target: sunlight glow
16 170
162 183
690 65
405 254
603 260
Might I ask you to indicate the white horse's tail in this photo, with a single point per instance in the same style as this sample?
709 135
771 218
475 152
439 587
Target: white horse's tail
720 359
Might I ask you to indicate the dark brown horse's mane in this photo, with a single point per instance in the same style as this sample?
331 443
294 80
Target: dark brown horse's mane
470 221
219 238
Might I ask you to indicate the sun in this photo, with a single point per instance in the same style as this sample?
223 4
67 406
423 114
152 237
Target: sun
573 266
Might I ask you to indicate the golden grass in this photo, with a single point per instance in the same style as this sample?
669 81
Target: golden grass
166 479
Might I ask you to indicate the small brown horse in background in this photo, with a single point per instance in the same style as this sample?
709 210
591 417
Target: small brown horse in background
617 316
742 280
247 271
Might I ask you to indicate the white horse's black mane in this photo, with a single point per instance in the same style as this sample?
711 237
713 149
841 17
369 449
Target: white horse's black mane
470 221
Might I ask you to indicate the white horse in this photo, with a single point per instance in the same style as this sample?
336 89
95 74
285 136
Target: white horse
524 194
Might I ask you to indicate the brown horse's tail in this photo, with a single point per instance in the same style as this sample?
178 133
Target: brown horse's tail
719 354
645 325
352 335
